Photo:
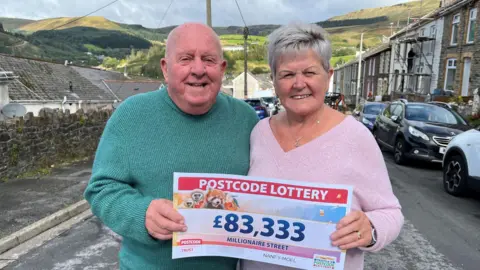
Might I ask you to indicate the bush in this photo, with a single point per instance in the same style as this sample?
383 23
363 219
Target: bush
259 70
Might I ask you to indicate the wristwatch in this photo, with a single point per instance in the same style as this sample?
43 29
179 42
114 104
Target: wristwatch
374 236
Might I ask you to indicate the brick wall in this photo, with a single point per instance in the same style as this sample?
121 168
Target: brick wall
31 143
462 50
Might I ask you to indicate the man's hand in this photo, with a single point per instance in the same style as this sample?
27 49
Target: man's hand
162 220
353 230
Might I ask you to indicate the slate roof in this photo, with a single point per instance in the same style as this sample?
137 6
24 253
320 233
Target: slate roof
40 80
125 89
97 77
264 80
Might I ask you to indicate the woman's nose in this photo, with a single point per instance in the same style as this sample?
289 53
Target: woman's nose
299 82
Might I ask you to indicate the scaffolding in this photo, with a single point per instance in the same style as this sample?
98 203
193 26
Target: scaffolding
414 77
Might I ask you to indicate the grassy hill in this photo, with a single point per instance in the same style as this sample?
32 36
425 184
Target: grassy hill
10 24
394 13
48 24
96 35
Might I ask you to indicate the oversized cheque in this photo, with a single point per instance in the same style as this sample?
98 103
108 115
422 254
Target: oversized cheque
281 222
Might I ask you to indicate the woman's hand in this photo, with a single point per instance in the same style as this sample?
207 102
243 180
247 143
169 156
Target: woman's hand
353 230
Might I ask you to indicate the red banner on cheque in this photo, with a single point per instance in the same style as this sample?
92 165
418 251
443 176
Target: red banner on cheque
315 194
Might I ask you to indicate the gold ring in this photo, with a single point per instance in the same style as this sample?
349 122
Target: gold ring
359 235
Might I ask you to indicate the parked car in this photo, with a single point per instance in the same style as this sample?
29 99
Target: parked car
417 130
367 114
461 163
269 103
257 104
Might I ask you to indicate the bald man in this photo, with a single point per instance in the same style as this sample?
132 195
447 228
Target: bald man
187 127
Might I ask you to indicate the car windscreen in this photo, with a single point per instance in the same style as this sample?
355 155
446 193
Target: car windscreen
433 113
268 99
373 108
253 103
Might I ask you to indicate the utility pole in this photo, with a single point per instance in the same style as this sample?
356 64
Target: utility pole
357 98
245 55
209 13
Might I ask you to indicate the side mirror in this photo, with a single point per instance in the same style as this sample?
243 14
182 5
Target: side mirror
357 113
394 118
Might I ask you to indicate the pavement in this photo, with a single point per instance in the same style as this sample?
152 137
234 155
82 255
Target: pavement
27 200
440 231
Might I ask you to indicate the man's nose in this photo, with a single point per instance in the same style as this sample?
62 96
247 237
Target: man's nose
198 67
299 82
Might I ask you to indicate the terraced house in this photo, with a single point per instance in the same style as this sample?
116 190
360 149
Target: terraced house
439 51
460 68
37 84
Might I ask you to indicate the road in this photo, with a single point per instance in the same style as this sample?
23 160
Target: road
440 232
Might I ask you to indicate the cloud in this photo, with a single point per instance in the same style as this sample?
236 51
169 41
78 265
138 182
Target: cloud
149 13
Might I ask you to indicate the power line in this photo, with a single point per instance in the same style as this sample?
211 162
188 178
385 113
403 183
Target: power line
165 14
241 13
74 20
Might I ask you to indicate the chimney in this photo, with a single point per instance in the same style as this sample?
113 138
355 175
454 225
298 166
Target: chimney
5 78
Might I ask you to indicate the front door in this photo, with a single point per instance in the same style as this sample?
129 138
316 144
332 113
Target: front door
466 76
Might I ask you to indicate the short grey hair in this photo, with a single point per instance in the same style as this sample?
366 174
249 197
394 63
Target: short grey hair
296 37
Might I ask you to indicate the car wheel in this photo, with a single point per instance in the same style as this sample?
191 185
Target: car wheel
455 175
399 151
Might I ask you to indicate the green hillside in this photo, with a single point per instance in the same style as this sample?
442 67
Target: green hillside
10 24
140 48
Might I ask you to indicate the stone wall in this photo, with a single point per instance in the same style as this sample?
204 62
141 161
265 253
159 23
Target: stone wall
32 143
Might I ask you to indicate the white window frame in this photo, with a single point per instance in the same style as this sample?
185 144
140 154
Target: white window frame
455 22
373 66
471 18
433 31
451 64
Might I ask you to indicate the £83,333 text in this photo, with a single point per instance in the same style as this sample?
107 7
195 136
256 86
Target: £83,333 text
233 223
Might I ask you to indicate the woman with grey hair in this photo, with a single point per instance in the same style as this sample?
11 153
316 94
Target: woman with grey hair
310 141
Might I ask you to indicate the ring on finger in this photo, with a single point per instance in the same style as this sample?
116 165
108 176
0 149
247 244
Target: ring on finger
359 235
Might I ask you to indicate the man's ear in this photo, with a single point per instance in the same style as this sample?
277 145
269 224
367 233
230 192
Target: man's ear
163 66
223 65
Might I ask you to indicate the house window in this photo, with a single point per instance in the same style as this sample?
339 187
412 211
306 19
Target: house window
422 32
380 87
455 24
472 26
450 74
433 31
420 68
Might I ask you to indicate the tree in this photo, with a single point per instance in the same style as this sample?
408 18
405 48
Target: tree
230 60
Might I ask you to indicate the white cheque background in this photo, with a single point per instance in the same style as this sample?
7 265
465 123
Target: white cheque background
317 235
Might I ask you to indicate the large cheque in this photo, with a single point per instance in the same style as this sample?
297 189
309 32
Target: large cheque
275 221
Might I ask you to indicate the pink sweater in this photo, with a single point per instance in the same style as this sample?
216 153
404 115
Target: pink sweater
347 154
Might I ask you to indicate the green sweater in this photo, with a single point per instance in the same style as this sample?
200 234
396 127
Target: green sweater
145 141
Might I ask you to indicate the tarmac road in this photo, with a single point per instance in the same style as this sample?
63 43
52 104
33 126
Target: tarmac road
440 232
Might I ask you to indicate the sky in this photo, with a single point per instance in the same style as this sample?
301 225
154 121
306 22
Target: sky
149 13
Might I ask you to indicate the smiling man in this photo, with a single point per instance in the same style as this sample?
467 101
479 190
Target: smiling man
187 127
